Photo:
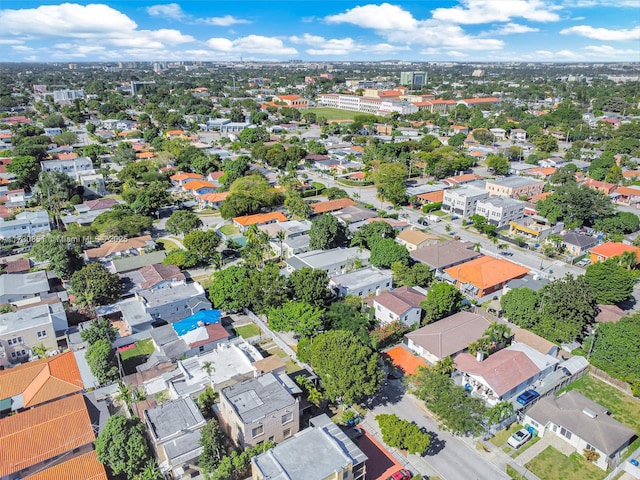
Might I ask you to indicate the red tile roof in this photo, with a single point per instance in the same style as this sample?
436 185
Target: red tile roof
405 360
114 246
178 177
42 380
85 467
214 197
197 185
613 249
332 205
41 433
432 197
260 218
486 272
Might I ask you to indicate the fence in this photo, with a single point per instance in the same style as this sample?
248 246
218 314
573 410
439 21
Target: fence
614 382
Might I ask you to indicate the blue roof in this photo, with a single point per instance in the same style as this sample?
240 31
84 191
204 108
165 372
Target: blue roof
191 323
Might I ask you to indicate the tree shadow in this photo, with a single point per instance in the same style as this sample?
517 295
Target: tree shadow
391 393
436 446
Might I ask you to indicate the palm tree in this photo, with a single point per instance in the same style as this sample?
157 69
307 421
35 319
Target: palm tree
500 411
503 246
628 260
445 366
216 261
281 236
497 334
151 471
476 247
208 367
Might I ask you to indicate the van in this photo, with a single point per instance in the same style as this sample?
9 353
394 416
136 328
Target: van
434 218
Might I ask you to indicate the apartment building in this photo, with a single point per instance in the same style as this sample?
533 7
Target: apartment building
514 187
500 211
462 201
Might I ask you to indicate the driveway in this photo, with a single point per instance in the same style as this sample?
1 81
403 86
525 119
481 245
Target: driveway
450 457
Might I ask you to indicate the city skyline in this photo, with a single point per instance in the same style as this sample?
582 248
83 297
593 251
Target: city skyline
447 30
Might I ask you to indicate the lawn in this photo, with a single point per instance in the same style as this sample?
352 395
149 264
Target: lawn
522 449
551 464
168 245
228 230
137 355
624 408
249 330
502 436
333 113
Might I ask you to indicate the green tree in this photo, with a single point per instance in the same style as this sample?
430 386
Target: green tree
418 274
521 306
99 329
182 222
266 288
122 446
298 317
309 285
327 232
206 400
403 434
333 193
212 442
622 223
498 164
234 169
370 233
202 243
65 138
546 143
347 315
228 288
249 136
347 368
457 140
386 252
296 205
121 221
54 121
95 285
389 179
575 205
151 198
62 253
124 154
499 412
182 259
483 136
26 168
616 350
101 360
457 411
442 300
611 282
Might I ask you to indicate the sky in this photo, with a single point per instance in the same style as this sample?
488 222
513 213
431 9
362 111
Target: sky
326 30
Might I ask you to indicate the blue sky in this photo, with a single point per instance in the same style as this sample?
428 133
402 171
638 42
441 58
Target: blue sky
210 30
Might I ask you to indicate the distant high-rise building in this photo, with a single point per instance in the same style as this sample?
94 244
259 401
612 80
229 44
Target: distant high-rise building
413 79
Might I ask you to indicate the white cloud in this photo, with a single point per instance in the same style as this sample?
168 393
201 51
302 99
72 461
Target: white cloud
608 51
253 44
547 55
341 46
397 25
455 53
486 11
601 3
22 48
170 10
225 21
603 33
512 28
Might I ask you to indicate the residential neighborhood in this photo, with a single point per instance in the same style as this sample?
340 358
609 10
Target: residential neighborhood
297 270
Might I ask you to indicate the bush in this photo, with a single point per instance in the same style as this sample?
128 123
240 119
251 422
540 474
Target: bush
431 207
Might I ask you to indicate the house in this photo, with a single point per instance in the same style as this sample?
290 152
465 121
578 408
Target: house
159 275
114 249
72 167
85 466
36 326
518 135
458 180
584 424
401 304
332 205
362 282
171 302
20 286
127 264
27 225
41 437
484 275
430 197
414 239
335 261
500 211
174 429
514 187
354 217
201 332
87 212
21 265
602 187
626 195
609 250
211 200
504 374
577 244
258 219
180 179
259 409
445 255
327 452
462 201
40 381
447 337
198 187
397 225
534 341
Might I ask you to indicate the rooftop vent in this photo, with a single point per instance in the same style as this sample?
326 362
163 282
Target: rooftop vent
589 413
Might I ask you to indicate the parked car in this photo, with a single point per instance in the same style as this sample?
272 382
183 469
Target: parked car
355 433
454 217
402 474
519 438
527 397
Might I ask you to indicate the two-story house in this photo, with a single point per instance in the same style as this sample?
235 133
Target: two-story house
259 409
20 286
335 261
401 304
362 282
28 224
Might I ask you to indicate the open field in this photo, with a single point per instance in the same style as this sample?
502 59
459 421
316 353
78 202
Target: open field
333 113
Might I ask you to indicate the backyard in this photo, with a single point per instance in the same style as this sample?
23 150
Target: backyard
552 464
249 330
228 230
132 357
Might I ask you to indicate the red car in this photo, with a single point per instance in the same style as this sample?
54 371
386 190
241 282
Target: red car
402 474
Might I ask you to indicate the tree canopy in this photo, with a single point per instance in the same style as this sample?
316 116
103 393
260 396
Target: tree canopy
610 282
122 446
443 299
389 179
95 285
418 274
347 368
309 285
62 253
227 291
327 232
182 222
386 252
121 220
403 434
298 317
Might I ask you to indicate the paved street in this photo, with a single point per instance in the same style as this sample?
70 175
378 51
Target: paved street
451 458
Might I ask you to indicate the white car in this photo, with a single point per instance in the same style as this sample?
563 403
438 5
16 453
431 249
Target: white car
519 438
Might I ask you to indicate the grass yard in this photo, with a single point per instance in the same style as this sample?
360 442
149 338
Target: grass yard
551 464
502 436
137 355
526 446
333 113
228 230
291 366
168 245
624 408
248 331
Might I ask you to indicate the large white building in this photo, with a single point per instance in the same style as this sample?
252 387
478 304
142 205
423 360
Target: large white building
375 106
63 96
462 201
500 211
26 224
